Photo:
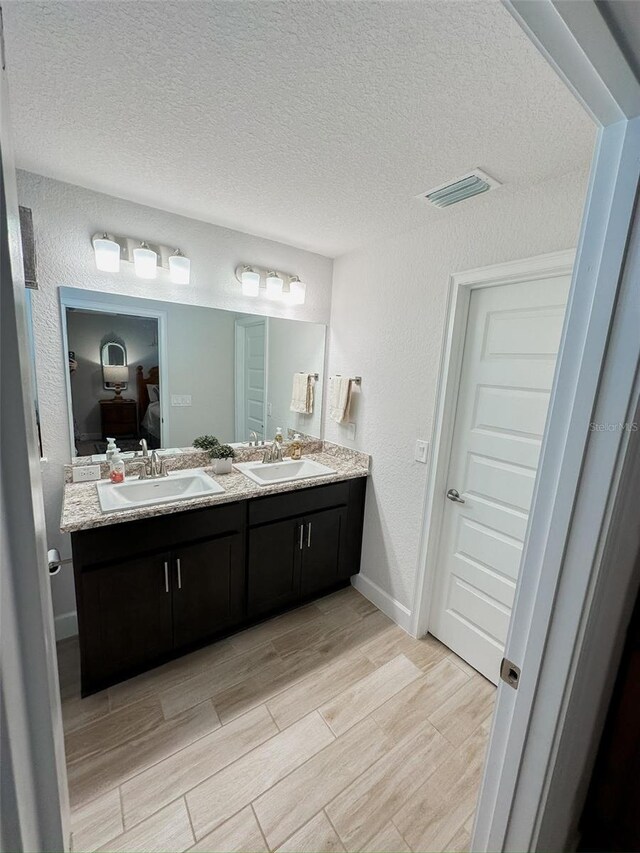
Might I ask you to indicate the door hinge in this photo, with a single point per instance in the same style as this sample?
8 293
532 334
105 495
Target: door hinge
510 673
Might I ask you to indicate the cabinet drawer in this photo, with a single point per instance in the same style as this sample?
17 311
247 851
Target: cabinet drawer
290 504
105 544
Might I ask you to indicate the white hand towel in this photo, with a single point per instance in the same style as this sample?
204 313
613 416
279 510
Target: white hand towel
339 398
302 394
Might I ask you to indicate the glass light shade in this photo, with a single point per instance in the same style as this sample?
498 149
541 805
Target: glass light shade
107 253
179 269
274 286
145 262
250 283
297 291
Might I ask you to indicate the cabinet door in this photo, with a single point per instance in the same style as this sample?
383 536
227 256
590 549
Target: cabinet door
126 619
273 575
323 535
208 589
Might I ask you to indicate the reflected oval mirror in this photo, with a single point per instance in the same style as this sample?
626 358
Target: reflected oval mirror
113 354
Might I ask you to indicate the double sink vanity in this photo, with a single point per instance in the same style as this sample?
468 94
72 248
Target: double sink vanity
165 565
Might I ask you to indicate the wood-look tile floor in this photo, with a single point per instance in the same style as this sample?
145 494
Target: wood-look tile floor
327 728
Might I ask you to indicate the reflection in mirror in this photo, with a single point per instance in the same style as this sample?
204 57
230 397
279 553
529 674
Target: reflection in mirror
187 371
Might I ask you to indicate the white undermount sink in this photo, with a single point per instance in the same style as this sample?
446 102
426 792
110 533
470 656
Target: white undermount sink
270 473
177 486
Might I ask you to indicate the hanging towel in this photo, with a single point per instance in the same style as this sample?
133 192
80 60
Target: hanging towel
339 398
302 394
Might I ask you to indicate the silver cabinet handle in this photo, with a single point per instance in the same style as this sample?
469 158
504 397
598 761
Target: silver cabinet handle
166 577
454 496
309 536
301 535
179 573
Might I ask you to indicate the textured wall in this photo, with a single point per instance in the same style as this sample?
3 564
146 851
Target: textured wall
64 218
387 325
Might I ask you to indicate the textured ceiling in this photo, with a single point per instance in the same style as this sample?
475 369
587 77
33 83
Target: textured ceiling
314 123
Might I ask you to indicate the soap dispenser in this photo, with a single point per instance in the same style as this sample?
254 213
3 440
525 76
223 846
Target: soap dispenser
296 446
111 448
116 468
278 436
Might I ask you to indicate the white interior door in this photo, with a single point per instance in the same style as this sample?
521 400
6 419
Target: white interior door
512 339
251 392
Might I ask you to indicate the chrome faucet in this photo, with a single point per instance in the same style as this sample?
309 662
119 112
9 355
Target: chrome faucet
253 438
158 466
273 453
145 449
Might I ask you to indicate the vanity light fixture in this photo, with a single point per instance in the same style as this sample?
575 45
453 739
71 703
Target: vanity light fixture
145 261
179 268
274 285
297 290
250 280
277 286
107 254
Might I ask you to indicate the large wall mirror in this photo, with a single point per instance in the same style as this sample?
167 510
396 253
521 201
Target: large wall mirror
184 371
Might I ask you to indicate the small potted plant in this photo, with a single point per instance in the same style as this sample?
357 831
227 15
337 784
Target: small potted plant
221 455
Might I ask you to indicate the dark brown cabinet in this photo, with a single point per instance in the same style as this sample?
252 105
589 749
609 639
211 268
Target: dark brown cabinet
138 591
273 570
293 559
322 541
150 590
119 418
208 593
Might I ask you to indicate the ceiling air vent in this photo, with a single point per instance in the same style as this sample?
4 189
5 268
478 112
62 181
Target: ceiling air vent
473 183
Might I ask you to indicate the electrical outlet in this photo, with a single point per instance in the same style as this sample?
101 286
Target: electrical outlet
181 399
85 473
350 431
421 453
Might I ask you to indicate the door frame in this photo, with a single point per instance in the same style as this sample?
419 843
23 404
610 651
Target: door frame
569 618
240 336
107 303
461 286
34 803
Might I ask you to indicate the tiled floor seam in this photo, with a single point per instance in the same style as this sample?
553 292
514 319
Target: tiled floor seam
394 825
340 792
198 671
326 814
264 837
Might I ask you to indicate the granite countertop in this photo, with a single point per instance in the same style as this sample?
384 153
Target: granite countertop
81 507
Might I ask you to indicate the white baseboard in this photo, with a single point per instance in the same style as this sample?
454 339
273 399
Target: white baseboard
66 625
400 614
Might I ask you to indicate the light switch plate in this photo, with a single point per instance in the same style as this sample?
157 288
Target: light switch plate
85 473
181 399
421 453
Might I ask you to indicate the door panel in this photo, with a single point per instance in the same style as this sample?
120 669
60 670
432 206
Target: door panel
275 554
132 601
254 379
512 339
208 589
321 556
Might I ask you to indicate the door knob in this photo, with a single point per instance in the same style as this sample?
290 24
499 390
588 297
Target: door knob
454 496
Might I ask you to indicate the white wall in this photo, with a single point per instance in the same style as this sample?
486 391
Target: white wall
294 348
64 218
387 324
85 332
